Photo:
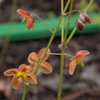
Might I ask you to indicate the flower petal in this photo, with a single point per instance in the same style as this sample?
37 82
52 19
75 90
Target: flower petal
15 83
32 26
46 67
29 23
11 72
32 58
70 60
81 54
23 12
41 53
31 78
72 67
25 68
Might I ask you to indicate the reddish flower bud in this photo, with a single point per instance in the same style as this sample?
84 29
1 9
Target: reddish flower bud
79 25
85 18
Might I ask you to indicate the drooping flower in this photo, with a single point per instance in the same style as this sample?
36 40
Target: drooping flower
79 25
85 18
20 75
28 18
33 58
77 60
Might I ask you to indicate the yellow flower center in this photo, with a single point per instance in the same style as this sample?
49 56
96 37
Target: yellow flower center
26 18
78 61
21 74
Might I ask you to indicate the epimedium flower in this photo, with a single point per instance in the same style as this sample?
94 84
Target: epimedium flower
20 75
85 18
28 18
33 58
79 25
77 60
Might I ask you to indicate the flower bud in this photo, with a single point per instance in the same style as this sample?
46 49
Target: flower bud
85 18
26 83
24 20
81 64
79 25
60 46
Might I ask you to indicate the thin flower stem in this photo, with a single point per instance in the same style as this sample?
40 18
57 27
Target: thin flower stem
50 41
72 12
88 6
62 27
61 74
69 17
71 35
66 6
74 30
43 22
25 91
67 22
62 57
65 54
62 40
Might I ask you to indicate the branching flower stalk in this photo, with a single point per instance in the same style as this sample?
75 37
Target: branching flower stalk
48 46
65 44
37 60
51 39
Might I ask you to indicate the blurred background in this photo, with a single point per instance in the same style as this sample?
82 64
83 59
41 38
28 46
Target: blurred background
16 43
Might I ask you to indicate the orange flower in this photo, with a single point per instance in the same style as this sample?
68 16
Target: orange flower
20 75
28 18
33 58
77 60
